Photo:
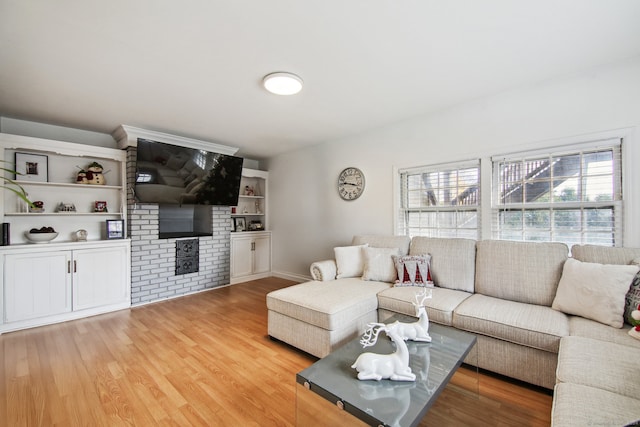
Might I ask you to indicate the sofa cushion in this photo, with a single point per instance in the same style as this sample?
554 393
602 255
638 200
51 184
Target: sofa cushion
401 242
576 405
439 307
530 325
378 264
453 261
329 305
413 270
604 254
604 365
526 272
594 291
581 327
349 261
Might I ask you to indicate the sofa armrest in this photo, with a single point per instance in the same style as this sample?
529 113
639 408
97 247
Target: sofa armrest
324 270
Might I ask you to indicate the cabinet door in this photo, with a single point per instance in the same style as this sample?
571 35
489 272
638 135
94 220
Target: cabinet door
262 254
37 285
241 256
99 277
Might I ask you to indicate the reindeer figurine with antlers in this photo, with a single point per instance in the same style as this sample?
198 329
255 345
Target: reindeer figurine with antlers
417 331
394 366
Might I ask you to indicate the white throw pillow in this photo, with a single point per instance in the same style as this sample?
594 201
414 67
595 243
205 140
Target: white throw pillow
594 291
349 261
379 265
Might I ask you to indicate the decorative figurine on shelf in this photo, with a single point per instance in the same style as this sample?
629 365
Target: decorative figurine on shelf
81 235
81 178
417 331
95 175
66 207
92 174
394 366
248 190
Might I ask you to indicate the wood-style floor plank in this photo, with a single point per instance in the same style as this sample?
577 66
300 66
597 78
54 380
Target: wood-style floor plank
200 360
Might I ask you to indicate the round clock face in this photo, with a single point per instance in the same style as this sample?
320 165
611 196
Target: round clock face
350 183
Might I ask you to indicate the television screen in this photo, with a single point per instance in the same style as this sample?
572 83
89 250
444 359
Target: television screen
171 174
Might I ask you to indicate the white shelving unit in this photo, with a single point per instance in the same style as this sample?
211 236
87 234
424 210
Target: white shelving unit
64 279
252 204
63 160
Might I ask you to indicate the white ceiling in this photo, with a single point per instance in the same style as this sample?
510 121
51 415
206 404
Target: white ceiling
194 67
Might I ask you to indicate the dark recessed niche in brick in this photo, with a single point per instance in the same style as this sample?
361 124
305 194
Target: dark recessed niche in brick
187 256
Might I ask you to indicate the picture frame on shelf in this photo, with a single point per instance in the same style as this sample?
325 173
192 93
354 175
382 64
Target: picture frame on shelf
115 228
100 206
256 226
32 167
239 224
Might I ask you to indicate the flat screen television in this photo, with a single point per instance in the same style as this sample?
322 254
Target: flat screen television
170 174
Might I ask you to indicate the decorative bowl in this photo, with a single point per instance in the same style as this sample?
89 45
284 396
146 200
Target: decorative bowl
40 237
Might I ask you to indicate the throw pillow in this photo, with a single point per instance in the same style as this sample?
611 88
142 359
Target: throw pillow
594 291
378 264
413 270
632 300
349 261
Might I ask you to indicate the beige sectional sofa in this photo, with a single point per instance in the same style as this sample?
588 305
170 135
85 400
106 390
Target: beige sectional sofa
503 292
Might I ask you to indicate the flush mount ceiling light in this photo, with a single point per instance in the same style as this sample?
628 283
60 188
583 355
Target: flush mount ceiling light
282 83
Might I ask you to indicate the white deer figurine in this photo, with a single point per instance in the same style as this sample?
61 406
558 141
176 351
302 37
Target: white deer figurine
417 331
394 366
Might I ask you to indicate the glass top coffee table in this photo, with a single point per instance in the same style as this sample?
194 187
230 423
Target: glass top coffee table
329 392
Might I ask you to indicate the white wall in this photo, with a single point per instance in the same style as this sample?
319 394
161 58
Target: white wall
308 218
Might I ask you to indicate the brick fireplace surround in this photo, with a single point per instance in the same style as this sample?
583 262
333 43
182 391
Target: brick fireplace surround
153 260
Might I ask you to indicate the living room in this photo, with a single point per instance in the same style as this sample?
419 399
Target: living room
531 93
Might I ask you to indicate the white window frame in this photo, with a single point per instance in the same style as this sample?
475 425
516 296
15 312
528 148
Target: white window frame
581 229
402 211
630 179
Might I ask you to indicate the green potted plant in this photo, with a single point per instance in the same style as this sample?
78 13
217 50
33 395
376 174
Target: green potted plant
11 185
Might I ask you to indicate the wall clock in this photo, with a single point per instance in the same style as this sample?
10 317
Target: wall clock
350 183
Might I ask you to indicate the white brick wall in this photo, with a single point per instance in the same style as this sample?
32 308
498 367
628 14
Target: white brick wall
153 260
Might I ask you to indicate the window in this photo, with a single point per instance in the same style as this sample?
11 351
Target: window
440 201
574 196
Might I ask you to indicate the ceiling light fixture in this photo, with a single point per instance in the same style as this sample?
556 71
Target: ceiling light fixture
282 83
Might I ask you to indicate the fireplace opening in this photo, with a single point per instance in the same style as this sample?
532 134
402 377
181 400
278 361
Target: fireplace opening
184 221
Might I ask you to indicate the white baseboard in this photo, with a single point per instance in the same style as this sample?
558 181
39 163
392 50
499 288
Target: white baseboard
291 276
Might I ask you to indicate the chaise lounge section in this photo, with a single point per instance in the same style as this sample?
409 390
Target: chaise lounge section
504 292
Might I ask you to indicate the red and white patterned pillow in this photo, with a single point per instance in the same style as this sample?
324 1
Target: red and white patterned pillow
413 270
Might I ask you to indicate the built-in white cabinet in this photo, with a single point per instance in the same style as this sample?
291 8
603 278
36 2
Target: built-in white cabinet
250 238
99 277
250 256
36 285
69 277
57 282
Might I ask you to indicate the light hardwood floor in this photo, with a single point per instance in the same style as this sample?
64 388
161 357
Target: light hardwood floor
202 360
